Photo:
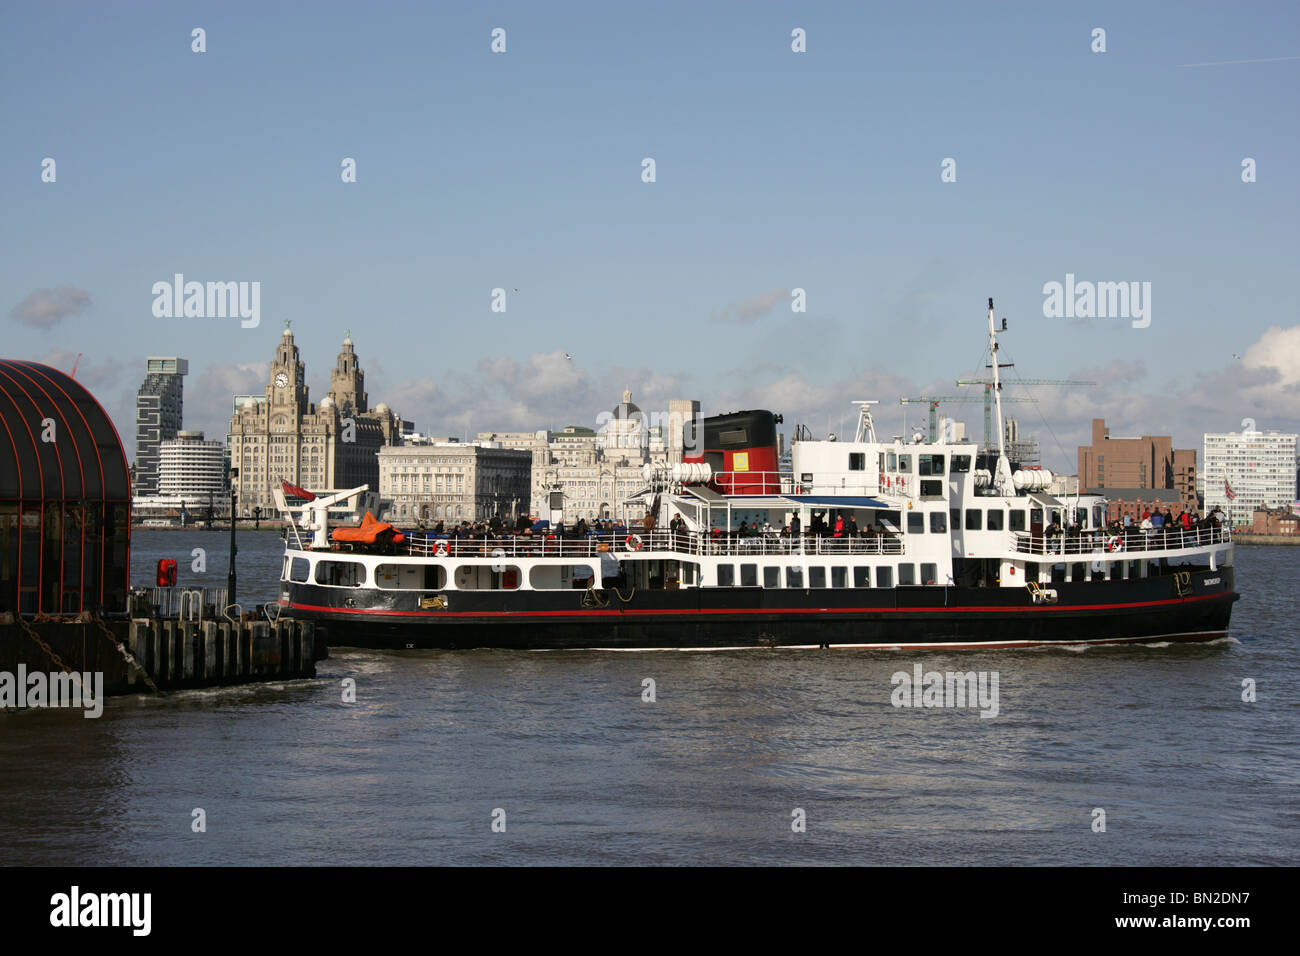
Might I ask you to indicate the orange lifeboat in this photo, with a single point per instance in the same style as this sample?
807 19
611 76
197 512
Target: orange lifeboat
370 531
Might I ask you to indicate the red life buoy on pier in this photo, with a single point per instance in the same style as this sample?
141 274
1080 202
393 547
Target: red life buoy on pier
166 573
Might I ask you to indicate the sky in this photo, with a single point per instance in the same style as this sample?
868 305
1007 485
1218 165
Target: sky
774 171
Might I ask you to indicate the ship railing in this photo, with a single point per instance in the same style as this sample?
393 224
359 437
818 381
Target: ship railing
1107 542
753 483
678 542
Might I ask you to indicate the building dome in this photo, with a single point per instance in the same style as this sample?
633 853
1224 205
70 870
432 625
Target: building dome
382 408
326 402
627 408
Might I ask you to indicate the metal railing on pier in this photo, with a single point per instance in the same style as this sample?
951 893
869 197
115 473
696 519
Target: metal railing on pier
187 604
1131 539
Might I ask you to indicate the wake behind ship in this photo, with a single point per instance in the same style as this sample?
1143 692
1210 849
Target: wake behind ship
923 543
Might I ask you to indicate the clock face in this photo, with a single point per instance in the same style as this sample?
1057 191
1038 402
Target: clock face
281 380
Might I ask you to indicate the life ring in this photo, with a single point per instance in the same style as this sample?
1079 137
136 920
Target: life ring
1115 543
440 549
633 542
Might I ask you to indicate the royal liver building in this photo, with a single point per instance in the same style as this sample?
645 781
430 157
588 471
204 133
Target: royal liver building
333 444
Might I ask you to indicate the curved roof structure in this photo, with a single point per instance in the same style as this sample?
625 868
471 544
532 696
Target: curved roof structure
79 458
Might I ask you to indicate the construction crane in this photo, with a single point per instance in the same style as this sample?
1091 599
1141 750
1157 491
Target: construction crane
988 397
934 400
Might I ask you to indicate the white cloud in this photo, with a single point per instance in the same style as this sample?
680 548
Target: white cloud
45 308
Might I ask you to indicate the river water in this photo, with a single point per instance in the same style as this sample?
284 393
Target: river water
713 770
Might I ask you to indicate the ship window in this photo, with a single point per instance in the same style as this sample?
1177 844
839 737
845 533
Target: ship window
906 574
794 577
1096 516
960 464
749 575
1035 516
689 569
559 577
1017 520
839 577
726 575
1031 571
884 577
995 519
931 465
1058 573
932 489
1078 572
733 436
929 574
300 570
938 522
817 577
341 574
905 464
973 519
891 461
771 577
410 577
915 523
862 577
857 461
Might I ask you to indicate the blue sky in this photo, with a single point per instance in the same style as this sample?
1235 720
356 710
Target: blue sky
775 170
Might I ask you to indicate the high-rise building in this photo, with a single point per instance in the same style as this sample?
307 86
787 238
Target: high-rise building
1248 470
158 409
192 469
331 445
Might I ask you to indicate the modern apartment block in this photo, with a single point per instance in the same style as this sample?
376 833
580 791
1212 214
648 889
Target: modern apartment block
192 469
158 407
1248 470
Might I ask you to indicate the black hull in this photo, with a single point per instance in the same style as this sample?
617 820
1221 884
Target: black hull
1151 609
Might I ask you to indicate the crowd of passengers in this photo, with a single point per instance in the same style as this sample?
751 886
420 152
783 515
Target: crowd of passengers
823 524
1154 529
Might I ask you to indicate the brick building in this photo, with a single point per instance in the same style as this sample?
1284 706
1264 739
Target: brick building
1149 462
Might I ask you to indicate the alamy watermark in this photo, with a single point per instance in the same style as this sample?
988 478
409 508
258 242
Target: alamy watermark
946 689
1098 300
208 300
54 689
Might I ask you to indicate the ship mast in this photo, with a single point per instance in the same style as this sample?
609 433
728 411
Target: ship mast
1002 476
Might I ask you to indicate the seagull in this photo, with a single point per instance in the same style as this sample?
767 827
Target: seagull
568 356
1235 355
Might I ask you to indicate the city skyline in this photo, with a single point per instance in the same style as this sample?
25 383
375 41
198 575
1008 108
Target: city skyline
776 171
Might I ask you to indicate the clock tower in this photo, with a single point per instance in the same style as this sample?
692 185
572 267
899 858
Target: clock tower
287 390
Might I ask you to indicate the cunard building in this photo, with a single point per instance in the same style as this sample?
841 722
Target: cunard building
332 444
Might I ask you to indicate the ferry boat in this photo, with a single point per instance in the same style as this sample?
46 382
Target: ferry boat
955 547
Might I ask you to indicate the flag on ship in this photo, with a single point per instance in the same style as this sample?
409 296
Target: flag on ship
294 490
1227 490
